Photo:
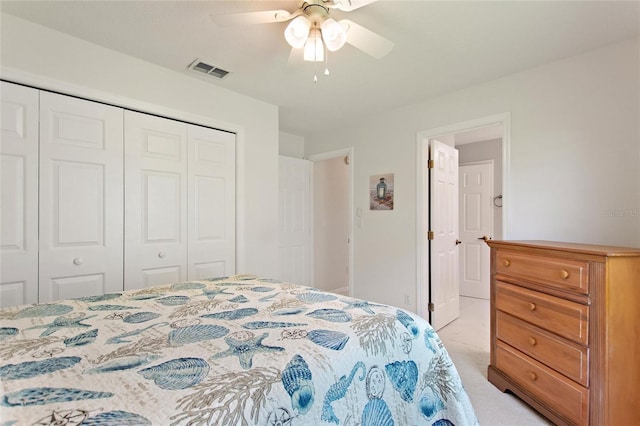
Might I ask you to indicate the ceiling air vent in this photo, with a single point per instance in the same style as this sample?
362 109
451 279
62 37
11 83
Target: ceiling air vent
205 68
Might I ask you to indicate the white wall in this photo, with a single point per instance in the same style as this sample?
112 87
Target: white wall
35 55
291 145
574 165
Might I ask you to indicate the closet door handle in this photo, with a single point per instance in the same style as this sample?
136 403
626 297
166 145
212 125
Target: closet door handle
161 255
77 261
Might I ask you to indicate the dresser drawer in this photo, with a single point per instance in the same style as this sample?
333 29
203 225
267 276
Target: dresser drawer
560 273
565 396
565 357
562 317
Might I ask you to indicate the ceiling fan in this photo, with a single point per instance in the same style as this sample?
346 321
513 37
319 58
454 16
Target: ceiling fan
312 29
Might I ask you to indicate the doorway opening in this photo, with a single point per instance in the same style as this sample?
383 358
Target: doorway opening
332 221
483 141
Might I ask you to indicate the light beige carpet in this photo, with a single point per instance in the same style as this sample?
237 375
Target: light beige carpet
467 341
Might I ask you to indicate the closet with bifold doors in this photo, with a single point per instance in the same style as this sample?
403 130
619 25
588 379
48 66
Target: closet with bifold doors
98 199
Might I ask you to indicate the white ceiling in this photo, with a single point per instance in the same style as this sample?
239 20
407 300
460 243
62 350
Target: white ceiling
440 46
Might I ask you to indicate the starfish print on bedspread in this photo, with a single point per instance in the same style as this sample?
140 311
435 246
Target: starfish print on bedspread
361 304
245 345
72 321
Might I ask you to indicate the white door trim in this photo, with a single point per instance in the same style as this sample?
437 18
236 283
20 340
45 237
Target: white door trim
422 199
325 156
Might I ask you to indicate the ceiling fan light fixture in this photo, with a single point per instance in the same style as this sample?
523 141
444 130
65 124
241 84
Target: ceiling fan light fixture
313 48
297 32
333 34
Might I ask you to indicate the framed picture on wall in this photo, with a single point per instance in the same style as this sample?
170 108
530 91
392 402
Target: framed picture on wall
381 192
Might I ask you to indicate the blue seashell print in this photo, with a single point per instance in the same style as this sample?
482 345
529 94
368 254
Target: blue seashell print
297 381
329 339
443 422
173 300
187 286
404 377
146 296
261 289
431 339
257 325
43 395
315 297
28 369
139 317
429 403
289 311
120 418
377 413
111 307
82 338
232 315
99 297
38 311
178 373
239 299
6 332
120 364
408 322
124 337
333 315
196 333
217 279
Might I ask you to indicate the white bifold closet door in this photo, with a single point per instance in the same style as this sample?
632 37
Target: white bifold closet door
19 195
180 203
81 198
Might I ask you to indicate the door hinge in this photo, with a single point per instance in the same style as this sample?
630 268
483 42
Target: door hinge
431 235
431 307
430 164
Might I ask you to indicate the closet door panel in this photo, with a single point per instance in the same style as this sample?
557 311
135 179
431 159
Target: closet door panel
155 200
211 203
18 195
81 198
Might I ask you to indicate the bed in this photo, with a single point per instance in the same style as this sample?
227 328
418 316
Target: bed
239 350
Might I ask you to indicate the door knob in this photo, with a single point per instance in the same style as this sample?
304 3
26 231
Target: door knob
484 238
458 242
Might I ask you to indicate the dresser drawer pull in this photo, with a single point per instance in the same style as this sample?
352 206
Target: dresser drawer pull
533 341
533 376
532 306
506 262
564 274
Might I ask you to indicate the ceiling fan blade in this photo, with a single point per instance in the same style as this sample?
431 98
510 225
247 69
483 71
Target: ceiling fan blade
366 40
250 18
349 5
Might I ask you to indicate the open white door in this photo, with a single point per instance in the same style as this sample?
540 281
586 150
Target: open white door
294 233
476 224
443 247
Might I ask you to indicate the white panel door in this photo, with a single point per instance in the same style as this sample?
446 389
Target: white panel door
294 234
444 224
155 200
476 183
211 203
81 229
19 196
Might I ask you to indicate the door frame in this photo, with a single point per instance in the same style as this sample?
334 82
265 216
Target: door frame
326 156
422 197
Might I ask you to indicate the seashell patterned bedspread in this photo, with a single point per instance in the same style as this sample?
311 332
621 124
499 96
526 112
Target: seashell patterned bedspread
227 351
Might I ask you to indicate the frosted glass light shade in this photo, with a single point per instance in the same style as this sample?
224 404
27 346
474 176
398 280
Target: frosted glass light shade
333 34
313 48
297 31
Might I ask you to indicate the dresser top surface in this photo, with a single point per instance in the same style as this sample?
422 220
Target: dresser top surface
593 249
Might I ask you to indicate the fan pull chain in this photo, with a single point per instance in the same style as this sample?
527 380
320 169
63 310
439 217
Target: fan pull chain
326 61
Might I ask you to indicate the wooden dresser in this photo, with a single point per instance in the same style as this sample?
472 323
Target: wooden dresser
565 329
